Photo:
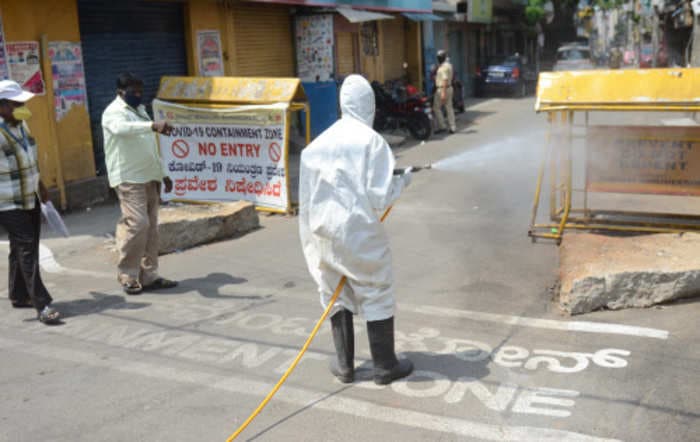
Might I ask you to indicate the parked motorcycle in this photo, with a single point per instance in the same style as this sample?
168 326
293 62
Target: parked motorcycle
401 106
458 95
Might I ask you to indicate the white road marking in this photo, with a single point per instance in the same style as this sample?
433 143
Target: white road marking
187 308
521 321
306 398
685 121
49 264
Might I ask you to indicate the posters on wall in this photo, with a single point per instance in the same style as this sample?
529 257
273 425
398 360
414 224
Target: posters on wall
314 41
211 62
226 154
68 76
25 65
4 68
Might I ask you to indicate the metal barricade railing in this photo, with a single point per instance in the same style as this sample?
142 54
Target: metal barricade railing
622 159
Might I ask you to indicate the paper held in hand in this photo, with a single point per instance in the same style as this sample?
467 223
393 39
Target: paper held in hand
53 219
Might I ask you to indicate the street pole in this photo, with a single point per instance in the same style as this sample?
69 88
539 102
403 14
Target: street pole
604 34
538 47
695 53
638 43
630 30
655 37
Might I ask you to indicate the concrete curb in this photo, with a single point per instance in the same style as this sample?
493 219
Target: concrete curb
188 225
609 272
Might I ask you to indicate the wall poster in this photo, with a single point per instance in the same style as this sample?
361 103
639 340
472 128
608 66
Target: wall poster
211 61
68 76
25 65
314 44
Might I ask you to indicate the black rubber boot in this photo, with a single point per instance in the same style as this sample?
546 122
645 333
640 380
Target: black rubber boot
387 367
343 366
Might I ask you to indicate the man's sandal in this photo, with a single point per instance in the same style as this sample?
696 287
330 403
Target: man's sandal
49 316
161 284
132 287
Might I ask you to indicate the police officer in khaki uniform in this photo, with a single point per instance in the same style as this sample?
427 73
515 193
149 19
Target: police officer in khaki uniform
444 93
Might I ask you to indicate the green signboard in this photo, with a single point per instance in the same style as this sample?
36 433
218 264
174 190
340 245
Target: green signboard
479 11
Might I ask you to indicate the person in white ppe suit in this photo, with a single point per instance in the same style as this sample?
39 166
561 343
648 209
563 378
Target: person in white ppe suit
347 181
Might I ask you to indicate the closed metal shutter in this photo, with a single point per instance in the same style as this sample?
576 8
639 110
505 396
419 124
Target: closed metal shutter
440 33
345 53
264 41
394 48
143 37
457 54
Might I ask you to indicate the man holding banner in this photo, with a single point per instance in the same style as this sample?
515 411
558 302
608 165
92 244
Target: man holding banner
135 172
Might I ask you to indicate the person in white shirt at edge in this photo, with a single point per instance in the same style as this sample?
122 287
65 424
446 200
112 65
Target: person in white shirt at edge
20 191
135 170
347 181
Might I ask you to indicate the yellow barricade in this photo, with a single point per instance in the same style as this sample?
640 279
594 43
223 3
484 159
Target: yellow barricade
629 158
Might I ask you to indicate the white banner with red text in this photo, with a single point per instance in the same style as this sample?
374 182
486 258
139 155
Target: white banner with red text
231 154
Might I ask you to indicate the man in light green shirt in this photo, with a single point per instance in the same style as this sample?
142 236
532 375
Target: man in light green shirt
135 172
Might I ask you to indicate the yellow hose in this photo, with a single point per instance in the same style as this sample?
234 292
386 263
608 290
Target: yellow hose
294 363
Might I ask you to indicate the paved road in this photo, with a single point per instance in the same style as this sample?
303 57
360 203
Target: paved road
495 359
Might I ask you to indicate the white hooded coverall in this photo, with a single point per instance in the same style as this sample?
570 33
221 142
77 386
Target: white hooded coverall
346 184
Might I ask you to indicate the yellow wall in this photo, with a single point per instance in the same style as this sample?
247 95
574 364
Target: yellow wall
395 49
256 38
204 15
58 19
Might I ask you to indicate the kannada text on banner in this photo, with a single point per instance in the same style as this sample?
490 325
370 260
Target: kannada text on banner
226 154
645 160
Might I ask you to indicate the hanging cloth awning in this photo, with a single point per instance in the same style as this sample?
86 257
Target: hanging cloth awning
421 17
359 16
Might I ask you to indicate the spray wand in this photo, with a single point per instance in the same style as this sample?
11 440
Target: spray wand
419 168
413 169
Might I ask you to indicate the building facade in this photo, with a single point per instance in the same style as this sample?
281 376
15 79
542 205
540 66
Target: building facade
193 37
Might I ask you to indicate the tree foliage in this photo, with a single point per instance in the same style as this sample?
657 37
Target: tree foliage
561 27
609 4
534 11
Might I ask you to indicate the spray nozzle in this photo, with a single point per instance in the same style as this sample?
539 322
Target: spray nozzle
412 169
424 167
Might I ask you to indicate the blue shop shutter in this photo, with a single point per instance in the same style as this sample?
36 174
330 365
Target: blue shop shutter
143 37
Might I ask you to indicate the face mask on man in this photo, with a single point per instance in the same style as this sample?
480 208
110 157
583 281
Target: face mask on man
132 99
22 113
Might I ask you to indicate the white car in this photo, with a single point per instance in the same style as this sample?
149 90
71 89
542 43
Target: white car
573 58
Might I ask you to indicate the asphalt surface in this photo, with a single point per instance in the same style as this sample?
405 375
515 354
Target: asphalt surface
495 359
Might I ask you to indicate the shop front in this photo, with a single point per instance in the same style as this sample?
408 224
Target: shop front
142 37
42 52
334 39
